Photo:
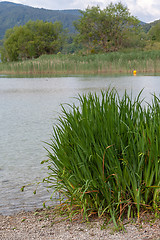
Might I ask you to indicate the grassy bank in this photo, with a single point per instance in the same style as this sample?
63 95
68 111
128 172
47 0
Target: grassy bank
105 156
109 63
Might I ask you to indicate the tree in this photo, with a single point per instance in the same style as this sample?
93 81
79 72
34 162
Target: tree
154 32
32 40
106 29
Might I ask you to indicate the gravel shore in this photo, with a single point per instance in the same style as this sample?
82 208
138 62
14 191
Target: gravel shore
42 225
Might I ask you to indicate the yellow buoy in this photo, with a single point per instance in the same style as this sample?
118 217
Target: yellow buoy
134 72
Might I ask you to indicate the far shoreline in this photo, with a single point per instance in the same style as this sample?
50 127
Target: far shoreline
144 62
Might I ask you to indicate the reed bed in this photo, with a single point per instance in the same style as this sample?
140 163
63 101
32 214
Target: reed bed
109 63
104 156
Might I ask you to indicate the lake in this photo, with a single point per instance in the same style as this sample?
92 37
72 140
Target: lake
28 109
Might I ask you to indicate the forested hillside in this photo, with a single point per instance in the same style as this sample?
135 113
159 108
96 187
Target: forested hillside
32 32
12 14
148 26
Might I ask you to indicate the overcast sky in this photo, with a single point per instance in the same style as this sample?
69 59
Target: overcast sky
144 10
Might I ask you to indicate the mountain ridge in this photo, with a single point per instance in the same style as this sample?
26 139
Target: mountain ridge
12 14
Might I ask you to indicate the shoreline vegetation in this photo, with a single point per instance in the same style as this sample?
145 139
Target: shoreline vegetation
73 64
112 169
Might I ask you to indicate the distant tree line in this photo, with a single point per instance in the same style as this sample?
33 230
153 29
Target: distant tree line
106 30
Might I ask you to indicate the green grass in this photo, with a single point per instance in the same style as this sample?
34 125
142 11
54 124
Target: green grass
104 156
109 63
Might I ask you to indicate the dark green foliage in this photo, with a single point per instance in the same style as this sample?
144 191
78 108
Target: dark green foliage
12 14
32 40
105 155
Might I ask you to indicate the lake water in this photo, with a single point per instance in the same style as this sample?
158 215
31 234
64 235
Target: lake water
28 109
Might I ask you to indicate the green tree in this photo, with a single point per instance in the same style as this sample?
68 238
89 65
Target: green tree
32 40
107 29
154 32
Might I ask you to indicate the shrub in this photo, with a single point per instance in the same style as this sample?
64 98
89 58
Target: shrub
104 155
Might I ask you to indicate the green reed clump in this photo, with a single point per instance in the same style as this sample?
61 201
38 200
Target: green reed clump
105 155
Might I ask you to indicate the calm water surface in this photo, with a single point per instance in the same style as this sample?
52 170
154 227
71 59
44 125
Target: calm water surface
28 109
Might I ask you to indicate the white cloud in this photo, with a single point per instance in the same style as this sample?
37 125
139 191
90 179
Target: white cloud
146 10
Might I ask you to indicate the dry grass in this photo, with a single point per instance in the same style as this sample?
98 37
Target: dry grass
110 63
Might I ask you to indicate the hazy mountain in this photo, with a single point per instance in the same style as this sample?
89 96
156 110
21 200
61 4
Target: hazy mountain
148 26
12 14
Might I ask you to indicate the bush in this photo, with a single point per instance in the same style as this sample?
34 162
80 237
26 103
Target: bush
32 40
104 155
